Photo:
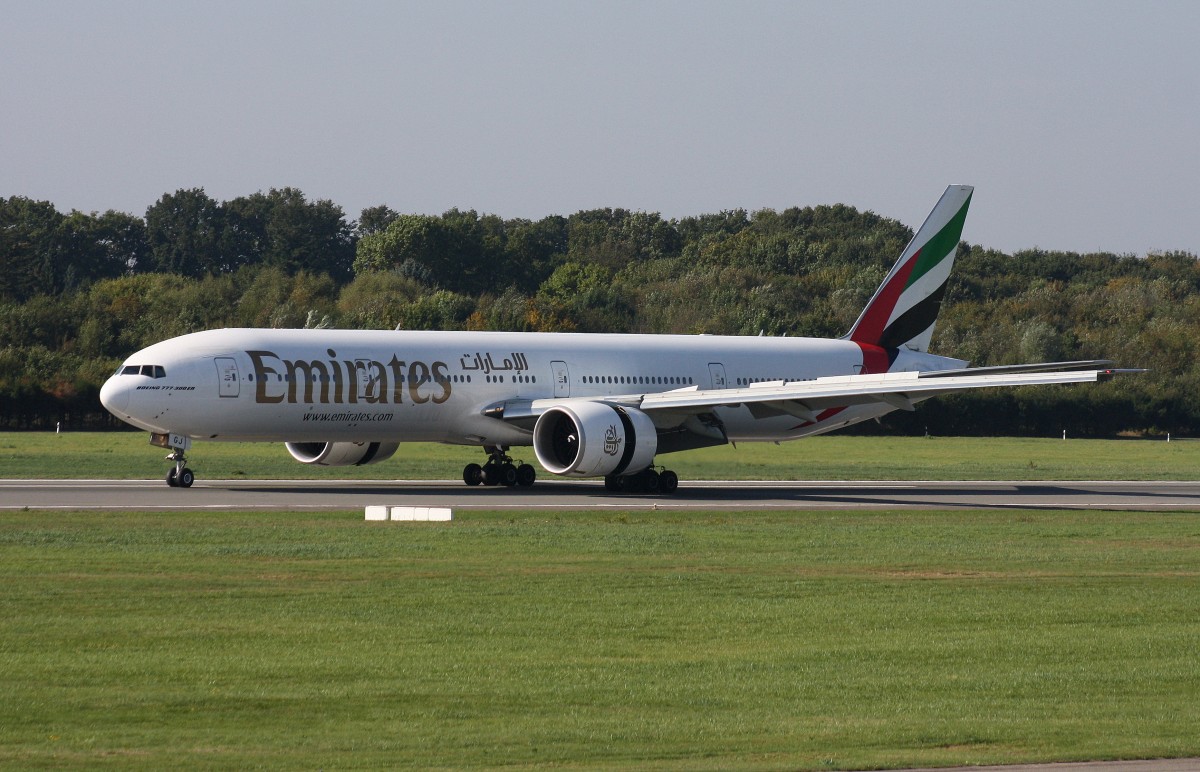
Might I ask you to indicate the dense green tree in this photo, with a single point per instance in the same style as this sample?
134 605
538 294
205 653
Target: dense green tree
282 229
101 246
375 300
274 298
614 237
586 295
375 219
30 260
49 321
534 249
458 250
694 229
409 245
186 234
440 310
308 236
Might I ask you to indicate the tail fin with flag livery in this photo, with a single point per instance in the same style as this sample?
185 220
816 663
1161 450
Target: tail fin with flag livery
903 311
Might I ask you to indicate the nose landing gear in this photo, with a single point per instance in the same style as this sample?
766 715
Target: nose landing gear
179 476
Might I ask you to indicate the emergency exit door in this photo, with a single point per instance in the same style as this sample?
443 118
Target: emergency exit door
227 377
716 371
562 379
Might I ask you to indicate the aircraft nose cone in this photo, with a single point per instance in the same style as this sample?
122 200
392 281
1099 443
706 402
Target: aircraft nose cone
114 395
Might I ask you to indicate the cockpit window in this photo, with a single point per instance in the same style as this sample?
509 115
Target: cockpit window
150 371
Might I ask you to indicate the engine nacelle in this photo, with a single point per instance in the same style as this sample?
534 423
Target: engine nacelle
341 453
593 439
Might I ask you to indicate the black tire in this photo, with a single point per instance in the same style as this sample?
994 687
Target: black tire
668 481
172 480
186 478
648 481
490 474
615 483
526 474
508 475
472 474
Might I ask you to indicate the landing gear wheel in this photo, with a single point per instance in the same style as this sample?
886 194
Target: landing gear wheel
179 476
472 474
526 474
508 475
490 474
499 470
647 481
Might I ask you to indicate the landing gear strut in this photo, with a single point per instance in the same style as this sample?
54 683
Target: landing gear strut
179 476
499 470
649 480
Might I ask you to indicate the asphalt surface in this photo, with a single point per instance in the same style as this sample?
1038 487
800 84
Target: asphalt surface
563 495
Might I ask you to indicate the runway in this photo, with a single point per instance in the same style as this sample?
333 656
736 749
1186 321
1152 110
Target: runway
571 495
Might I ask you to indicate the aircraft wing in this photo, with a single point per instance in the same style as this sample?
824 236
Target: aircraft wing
807 399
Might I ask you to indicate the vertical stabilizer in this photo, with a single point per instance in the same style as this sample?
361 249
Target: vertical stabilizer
905 307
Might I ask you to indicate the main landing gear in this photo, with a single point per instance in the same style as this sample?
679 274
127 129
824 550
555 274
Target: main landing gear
499 470
179 476
648 480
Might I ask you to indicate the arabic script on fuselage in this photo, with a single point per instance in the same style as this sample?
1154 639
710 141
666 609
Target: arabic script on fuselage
486 363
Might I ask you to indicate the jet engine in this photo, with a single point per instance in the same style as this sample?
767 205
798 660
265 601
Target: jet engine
594 439
341 453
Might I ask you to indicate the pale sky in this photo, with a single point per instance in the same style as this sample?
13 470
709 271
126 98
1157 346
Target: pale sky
1078 122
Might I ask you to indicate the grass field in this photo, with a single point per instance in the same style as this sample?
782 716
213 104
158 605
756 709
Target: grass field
128 455
613 640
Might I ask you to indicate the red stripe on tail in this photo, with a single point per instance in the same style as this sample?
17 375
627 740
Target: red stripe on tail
870 329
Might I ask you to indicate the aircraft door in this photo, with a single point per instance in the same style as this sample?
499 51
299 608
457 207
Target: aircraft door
227 377
368 380
562 379
716 371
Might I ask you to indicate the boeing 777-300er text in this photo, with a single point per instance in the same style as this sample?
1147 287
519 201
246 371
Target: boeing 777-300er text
591 405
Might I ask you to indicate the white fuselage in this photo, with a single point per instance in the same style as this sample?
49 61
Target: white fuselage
363 385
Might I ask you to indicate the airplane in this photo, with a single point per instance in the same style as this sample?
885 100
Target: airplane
590 405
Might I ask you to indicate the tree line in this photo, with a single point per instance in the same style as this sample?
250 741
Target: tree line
79 292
